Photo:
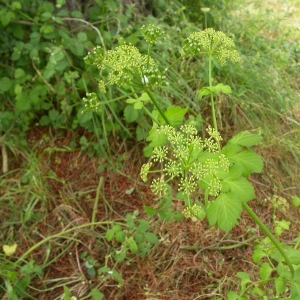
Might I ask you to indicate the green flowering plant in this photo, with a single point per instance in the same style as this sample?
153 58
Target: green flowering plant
179 159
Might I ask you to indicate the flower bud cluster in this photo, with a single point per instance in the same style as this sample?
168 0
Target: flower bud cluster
211 42
189 159
151 33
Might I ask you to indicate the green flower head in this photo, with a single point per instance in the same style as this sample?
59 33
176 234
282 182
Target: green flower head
92 103
211 42
126 65
151 34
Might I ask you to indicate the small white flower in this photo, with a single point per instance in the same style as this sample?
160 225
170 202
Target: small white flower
110 272
145 80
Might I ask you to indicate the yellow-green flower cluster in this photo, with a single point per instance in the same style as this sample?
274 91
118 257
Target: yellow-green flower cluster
192 212
211 42
151 33
126 66
188 158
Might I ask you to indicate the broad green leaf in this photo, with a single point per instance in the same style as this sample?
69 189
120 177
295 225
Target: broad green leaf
139 238
280 286
204 92
138 105
156 139
132 245
175 115
5 84
291 253
216 90
67 293
151 238
246 138
232 295
150 211
265 271
242 189
96 294
296 201
130 114
221 88
225 211
258 292
143 226
120 236
258 254
110 233
284 272
231 149
82 37
295 290
248 160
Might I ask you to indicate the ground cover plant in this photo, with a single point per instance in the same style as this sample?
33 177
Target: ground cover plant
159 213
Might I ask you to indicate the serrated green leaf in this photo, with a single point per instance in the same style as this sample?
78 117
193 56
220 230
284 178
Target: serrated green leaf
139 238
225 211
222 88
204 92
242 189
96 294
143 226
156 139
232 295
246 138
258 254
110 233
295 290
258 292
120 236
231 149
150 211
175 115
138 105
291 253
132 245
248 160
151 238
130 114
265 271
280 286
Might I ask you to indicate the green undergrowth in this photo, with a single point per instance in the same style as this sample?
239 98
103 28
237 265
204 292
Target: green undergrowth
43 79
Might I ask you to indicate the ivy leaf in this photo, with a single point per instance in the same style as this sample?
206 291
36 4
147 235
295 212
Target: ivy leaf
175 115
247 138
225 211
248 160
241 188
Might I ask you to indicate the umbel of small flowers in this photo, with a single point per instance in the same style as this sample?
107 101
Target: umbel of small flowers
189 159
127 66
212 43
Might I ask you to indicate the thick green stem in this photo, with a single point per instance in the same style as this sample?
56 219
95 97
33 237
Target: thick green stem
157 107
211 95
269 235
